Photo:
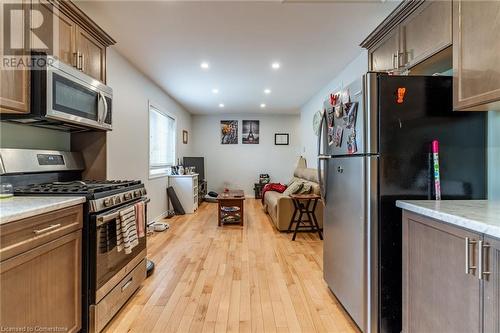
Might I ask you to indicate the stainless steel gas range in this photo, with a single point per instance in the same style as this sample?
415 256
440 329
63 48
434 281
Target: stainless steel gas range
109 276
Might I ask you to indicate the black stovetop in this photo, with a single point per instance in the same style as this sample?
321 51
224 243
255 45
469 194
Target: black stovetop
84 187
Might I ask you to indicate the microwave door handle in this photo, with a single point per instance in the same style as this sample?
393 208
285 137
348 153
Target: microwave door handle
99 107
105 108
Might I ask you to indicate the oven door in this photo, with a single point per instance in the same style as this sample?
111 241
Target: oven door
74 97
109 261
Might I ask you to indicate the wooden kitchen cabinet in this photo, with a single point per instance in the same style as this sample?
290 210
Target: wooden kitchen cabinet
492 285
438 295
384 57
476 49
63 31
92 55
40 271
15 83
15 91
426 32
412 33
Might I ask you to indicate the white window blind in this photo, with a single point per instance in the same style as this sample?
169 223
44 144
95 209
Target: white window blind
161 142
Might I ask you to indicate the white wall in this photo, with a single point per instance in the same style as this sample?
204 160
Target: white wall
238 166
351 72
128 143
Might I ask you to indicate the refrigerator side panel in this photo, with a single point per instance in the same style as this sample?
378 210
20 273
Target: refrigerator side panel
344 252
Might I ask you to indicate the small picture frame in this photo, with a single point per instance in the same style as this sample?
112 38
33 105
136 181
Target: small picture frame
281 139
184 137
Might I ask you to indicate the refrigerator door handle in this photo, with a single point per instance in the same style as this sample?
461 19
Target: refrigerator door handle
321 159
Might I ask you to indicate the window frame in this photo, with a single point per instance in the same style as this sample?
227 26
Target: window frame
157 108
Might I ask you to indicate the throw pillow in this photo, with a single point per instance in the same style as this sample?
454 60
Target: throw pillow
293 188
306 188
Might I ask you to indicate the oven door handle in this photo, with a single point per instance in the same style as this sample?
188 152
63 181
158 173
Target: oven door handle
102 219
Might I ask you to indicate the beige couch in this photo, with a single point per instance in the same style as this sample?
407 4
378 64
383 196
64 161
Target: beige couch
280 206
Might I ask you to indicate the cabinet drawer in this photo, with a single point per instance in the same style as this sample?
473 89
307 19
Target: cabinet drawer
102 313
20 236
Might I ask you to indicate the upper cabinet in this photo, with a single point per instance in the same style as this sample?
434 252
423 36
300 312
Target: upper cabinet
15 83
384 57
426 32
476 55
91 55
413 32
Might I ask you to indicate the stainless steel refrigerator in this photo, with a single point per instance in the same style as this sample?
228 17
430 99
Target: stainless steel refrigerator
374 151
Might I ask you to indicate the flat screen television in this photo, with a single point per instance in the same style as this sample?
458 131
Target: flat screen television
198 163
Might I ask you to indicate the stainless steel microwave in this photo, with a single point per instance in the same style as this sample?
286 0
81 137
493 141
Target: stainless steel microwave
64 98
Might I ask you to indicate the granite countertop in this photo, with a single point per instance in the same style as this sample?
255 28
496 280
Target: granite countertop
16 208
482 216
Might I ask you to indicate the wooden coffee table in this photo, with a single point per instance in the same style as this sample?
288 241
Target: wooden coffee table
231 206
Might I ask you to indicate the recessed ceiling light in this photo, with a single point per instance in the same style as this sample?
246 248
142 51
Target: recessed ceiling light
221 105
267 91
275 65
215 91
204 65
262 106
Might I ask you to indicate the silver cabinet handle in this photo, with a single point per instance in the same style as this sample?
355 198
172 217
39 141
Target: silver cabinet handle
81 61
394 58
126 285
468 267
324 157
75 59
483 272
44 230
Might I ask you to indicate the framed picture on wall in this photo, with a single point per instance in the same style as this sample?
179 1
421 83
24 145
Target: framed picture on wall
250 133
184 136
281 139
229 132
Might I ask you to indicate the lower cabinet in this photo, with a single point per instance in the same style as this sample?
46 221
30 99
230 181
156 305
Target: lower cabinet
451 278
40 287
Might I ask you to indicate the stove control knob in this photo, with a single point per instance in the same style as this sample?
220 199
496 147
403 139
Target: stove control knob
108 202
137 193
127 196
144 191
118 199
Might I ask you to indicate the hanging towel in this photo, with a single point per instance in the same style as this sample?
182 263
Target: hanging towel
126 231
140 218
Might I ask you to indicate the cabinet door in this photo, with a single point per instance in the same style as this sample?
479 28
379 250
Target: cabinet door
492 286
476 46
62 33
93 54
384 57
41 287
438 295
15 83
427 31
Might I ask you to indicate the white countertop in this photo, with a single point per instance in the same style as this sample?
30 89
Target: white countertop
482 216
16 208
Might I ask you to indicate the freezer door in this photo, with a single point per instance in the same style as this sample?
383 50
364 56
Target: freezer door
345 235
354 122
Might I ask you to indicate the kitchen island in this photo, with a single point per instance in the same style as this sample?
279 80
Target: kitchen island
451 266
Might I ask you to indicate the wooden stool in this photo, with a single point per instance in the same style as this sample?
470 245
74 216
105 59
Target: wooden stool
305 206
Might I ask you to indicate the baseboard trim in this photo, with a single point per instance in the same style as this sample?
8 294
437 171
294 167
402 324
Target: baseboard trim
157 218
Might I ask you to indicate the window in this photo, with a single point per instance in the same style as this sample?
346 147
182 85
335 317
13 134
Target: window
161 142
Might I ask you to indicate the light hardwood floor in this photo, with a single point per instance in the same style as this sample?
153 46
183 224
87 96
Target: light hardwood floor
232 279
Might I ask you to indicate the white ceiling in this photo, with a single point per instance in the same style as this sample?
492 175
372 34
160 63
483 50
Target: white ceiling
167 40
